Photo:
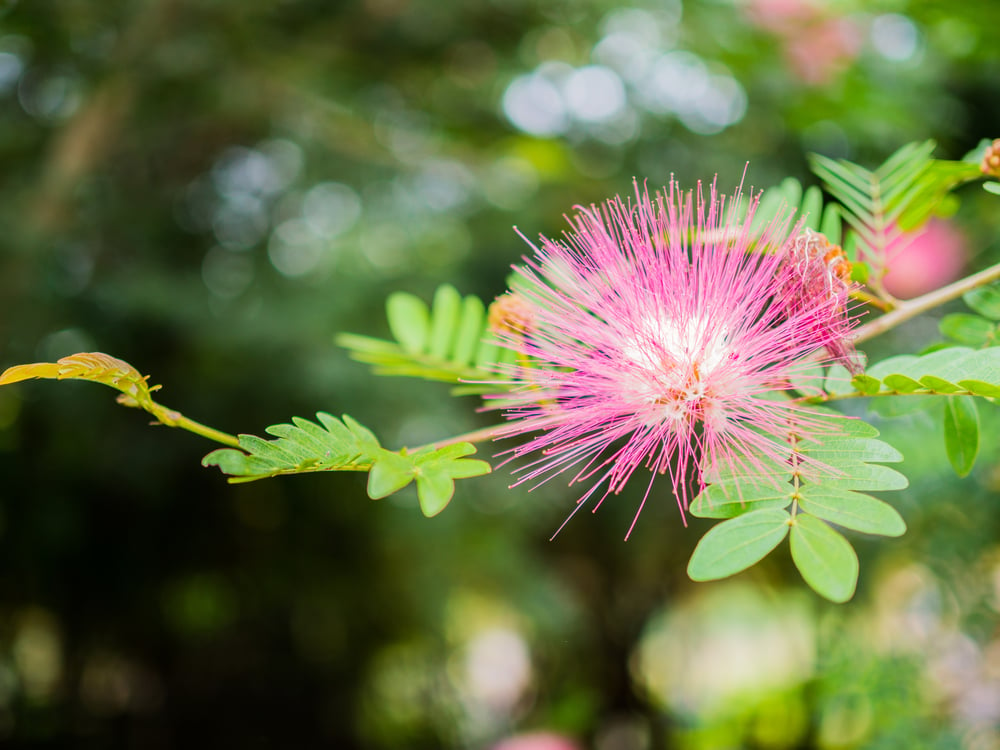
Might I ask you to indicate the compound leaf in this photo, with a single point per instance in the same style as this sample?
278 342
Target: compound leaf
954 370
822 466
449 341
346 445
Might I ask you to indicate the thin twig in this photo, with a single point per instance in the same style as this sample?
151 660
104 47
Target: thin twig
912 308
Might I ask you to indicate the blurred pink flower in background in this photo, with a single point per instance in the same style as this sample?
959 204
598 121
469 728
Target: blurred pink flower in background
817 44
919 263
537 741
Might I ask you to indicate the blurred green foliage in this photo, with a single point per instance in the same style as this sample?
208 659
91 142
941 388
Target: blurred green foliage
211 189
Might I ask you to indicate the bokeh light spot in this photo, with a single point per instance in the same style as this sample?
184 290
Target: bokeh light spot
534 104
895 37
595 93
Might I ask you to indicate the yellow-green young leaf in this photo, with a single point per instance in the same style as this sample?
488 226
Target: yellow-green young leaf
826 560
436 471
434 490
811 209
830 225
967 329
444 320
738 543
409 321
390 473
979 388
939 385
985 300
901 383
470 330
451 459
866 384
95 366
792 190
961 433
489 352
852 510
859 270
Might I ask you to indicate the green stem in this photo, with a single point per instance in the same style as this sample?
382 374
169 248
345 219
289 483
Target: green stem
911 308
172 418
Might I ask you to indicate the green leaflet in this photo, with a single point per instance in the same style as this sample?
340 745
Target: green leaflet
738 543
985 300
823 478
409 321
961 433
449 341
965 328
826 560
854 511
334 445
975 330
981 330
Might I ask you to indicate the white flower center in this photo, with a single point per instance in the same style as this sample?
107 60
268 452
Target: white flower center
672 364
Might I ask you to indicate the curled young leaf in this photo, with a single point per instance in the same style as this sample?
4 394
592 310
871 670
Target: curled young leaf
94 366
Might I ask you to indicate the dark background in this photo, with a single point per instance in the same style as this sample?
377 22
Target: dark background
211 189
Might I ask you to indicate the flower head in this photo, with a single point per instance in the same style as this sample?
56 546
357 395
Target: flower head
655 329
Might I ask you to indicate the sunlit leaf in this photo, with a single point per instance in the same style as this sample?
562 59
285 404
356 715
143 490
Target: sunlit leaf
449 342
389 473
866 384
444 320
409 320
470 330
434 491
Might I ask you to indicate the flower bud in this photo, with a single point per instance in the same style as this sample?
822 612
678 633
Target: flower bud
990 165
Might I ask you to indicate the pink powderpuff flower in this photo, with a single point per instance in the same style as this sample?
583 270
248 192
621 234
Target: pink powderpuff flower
650 333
